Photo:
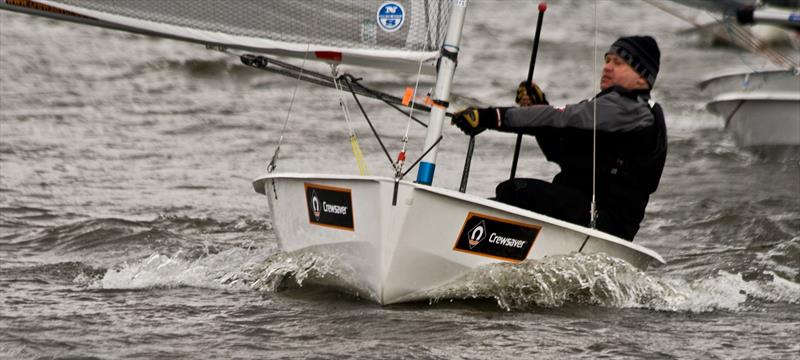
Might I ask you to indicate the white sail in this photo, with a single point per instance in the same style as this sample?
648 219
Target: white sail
361 32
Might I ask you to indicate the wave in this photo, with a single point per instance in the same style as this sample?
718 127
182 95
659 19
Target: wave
591 280
595 280
18 216
174 251
111 240
65 273
284 270
187 267
608 282
223 270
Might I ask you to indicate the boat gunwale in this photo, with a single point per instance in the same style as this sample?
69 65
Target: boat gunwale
719 75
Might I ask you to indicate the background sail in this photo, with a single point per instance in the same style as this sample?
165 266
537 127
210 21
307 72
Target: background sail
727 28
345 31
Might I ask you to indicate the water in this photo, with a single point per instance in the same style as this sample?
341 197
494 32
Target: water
129 228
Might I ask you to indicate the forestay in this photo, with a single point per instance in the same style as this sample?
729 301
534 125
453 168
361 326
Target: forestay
362 32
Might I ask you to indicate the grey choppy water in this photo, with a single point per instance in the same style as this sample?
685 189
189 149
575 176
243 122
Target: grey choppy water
129 228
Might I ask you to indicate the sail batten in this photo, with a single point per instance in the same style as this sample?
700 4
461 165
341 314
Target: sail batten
364 32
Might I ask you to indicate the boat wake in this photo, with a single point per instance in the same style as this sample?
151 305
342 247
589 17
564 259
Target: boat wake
223 270
172 252
604 281
596 280
291 270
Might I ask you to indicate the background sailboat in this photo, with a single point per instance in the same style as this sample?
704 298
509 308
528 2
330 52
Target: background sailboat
760 106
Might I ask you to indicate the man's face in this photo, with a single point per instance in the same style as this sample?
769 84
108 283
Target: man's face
617 72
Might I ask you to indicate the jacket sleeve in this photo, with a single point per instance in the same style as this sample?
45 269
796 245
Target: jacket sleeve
614 113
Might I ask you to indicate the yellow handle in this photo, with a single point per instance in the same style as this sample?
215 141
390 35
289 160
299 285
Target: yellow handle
362 164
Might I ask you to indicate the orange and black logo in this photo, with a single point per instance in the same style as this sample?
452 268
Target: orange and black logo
329 206
496 238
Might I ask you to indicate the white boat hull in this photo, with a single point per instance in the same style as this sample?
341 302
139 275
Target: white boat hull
758 121
397 253
760 109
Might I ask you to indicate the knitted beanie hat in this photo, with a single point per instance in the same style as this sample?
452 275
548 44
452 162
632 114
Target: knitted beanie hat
641 53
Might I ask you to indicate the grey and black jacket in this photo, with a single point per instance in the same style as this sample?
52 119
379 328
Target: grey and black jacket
631 149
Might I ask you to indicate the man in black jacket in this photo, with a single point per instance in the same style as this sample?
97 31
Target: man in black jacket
630 151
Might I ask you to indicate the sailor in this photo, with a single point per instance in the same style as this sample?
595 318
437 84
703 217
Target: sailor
631 143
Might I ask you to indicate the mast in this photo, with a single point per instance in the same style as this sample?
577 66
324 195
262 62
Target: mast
441 95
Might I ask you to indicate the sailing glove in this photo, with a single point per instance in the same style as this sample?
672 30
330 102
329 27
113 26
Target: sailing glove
527 96
472 121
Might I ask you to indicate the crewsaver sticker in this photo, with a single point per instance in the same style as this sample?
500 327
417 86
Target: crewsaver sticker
496 238
329 206
391 16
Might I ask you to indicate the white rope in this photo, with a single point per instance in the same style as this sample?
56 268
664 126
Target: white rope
273 163
413 102
400 160
593 208
342 103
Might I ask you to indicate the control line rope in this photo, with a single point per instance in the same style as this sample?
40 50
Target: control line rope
360 162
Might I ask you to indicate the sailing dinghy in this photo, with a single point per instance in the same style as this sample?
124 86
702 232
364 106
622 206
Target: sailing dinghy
761 108
397 240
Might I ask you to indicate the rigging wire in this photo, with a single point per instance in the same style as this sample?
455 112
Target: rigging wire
347 79
422 156
354 87
273 162
744 38
401 157
593 207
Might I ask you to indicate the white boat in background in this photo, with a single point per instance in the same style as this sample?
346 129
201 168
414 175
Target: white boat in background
760 108
396 240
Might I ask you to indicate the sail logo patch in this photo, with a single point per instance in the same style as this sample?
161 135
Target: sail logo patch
496 238
329 206
391 16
